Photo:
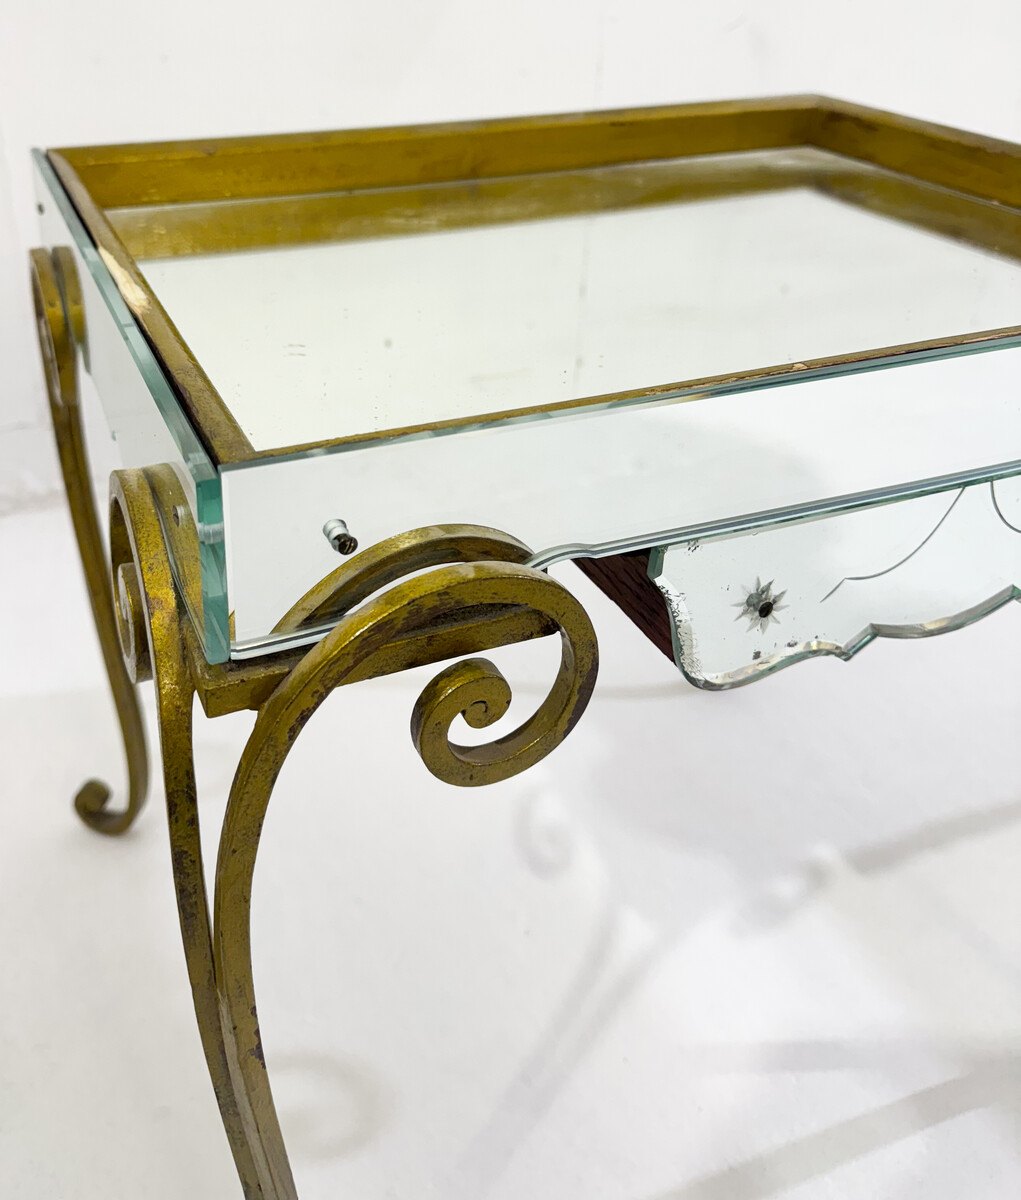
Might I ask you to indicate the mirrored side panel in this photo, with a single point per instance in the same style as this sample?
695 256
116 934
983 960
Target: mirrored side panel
132 419
628 478
745 605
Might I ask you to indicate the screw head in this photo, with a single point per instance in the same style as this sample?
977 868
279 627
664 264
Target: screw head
340 537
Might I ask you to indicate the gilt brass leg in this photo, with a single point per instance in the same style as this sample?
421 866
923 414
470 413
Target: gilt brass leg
153 636
474 688
470 604
58 318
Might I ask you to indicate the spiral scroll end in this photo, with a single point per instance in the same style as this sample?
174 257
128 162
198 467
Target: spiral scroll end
90 804
473 689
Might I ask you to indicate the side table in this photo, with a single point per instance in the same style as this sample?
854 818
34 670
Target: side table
394 345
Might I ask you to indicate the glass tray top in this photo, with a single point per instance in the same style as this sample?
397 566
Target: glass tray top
330 299
399 324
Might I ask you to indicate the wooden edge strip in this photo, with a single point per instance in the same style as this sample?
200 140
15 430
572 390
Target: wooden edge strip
624 578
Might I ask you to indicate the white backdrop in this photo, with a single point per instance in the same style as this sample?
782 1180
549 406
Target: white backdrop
901 766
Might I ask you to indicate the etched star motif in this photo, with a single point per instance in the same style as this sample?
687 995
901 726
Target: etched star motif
760 605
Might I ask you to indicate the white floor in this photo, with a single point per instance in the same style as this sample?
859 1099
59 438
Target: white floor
716 947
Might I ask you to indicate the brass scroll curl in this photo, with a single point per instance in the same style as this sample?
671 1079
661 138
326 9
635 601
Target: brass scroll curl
357 647
60 324
469 603
477 690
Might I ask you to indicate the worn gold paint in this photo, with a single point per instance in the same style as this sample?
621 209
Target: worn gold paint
234 193
476 689
179 531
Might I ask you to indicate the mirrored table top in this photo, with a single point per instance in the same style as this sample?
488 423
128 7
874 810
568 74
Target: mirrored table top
302 309
426 326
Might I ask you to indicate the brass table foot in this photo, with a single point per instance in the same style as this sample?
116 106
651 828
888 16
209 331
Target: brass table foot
60 324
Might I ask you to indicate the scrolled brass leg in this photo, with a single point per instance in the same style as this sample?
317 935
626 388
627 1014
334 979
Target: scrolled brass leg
358 646
59 323
154 634
501 600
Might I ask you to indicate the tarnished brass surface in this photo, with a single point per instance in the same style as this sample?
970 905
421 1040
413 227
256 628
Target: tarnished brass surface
307 163
71 294
229 687
476 689
224 226
950 214
60 323
361 643
467 604
159 621
179 532
241 192
213 227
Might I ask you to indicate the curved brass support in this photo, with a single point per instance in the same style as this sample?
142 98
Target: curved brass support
395 558
505 600
154 636
475 688
60 323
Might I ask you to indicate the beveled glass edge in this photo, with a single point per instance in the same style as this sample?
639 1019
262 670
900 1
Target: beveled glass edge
787 515
977 166
789 375
212 624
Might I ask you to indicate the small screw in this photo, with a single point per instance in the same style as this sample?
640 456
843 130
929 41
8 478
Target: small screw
339 536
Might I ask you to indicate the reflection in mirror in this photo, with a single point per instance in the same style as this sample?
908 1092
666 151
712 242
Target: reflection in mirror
744 606
348 314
